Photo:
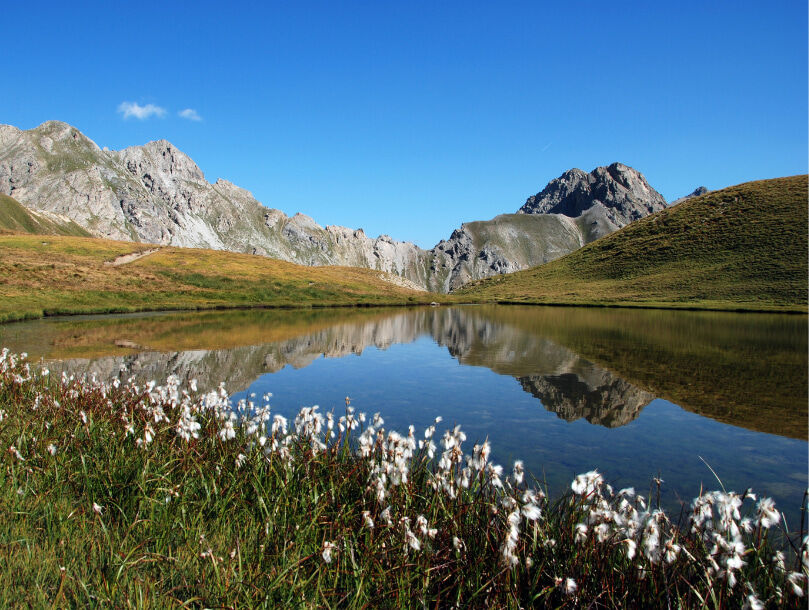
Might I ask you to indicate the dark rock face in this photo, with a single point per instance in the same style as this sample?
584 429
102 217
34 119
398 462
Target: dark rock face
700 190
619 193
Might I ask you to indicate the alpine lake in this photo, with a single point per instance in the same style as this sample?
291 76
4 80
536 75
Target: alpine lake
697 400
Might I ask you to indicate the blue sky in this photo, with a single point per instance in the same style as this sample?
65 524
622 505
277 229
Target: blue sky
408 118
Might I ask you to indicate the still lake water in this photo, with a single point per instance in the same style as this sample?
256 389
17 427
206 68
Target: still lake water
635 394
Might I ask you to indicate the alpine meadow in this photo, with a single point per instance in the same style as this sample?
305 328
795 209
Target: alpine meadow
454 305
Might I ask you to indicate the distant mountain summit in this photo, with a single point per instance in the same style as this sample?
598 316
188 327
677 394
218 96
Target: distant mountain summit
155 193
698 192
610 197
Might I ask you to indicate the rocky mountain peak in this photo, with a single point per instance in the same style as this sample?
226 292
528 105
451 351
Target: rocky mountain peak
161 156
621 191
697 192
8 135
62 135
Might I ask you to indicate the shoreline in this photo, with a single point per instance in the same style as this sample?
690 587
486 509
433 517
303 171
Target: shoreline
741 309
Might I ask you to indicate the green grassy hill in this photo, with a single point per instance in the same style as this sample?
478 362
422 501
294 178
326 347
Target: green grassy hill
16 218
743 247
41 275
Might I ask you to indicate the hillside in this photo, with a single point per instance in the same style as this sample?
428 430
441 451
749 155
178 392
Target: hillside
42 276
16 218
743 247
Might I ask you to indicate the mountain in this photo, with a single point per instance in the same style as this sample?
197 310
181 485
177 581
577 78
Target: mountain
740 247
156 194
571 211
605 200
697 192
16 218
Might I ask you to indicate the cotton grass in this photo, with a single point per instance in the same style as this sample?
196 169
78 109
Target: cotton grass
157 492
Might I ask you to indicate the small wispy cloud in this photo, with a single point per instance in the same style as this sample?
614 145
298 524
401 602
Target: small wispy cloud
546 147
190 114
135 110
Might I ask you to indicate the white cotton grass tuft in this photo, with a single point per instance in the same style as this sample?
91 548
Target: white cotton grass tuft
567 585
328 548
767 516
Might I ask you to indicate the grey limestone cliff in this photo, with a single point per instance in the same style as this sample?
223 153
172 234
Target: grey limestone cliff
156 194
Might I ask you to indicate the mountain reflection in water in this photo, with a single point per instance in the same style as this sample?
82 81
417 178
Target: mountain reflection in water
600 365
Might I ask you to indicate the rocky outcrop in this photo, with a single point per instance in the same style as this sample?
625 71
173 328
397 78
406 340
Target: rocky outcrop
698 192
604 200
569 212
156 194
507 243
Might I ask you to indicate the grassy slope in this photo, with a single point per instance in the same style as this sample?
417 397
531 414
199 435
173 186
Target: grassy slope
69 275
744 247
14 217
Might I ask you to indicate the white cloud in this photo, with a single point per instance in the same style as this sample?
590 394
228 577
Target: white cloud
133 109
190 114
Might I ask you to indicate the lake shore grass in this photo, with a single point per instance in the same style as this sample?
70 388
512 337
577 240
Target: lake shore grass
129 494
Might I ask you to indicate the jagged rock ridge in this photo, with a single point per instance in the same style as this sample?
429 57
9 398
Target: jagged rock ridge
156 194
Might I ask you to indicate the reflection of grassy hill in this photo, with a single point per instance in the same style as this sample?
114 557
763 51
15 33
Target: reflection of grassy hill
742 247
69 275
743 370
91 337
16 218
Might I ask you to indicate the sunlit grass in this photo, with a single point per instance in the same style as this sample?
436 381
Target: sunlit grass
47 275
127 494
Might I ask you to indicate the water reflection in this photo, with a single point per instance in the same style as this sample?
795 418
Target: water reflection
600 365
567 390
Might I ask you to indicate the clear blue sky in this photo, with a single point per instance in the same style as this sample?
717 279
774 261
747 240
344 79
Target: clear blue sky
408 118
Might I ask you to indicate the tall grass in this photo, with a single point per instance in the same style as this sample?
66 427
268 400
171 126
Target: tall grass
126 494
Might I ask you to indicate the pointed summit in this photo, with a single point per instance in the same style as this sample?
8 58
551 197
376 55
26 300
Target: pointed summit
621 190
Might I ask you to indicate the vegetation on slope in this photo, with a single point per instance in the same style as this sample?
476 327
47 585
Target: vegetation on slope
42 276
133 496
16 218
744 247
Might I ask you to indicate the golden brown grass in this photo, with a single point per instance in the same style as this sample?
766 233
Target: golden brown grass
42 275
